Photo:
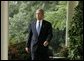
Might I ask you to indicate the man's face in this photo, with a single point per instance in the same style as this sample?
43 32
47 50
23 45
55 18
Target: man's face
39 15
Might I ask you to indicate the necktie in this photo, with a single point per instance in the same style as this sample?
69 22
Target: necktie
38 28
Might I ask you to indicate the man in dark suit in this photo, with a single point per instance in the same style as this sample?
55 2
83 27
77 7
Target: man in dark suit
40 35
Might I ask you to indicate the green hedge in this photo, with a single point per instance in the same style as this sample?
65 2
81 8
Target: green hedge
75 50
17 52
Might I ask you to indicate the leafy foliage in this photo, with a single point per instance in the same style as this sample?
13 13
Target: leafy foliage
17 52
75 49
21 13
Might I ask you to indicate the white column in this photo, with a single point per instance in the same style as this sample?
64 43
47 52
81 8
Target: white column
70 13
4 30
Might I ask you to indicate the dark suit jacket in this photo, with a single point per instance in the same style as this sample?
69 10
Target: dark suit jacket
35 41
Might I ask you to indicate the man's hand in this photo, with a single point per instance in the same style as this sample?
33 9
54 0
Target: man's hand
27 49
45 43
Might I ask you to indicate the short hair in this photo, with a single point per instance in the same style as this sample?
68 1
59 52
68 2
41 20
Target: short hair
41 10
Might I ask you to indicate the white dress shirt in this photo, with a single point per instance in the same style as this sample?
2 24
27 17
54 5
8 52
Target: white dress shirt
37 24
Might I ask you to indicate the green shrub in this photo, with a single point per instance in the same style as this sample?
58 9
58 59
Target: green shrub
75 50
